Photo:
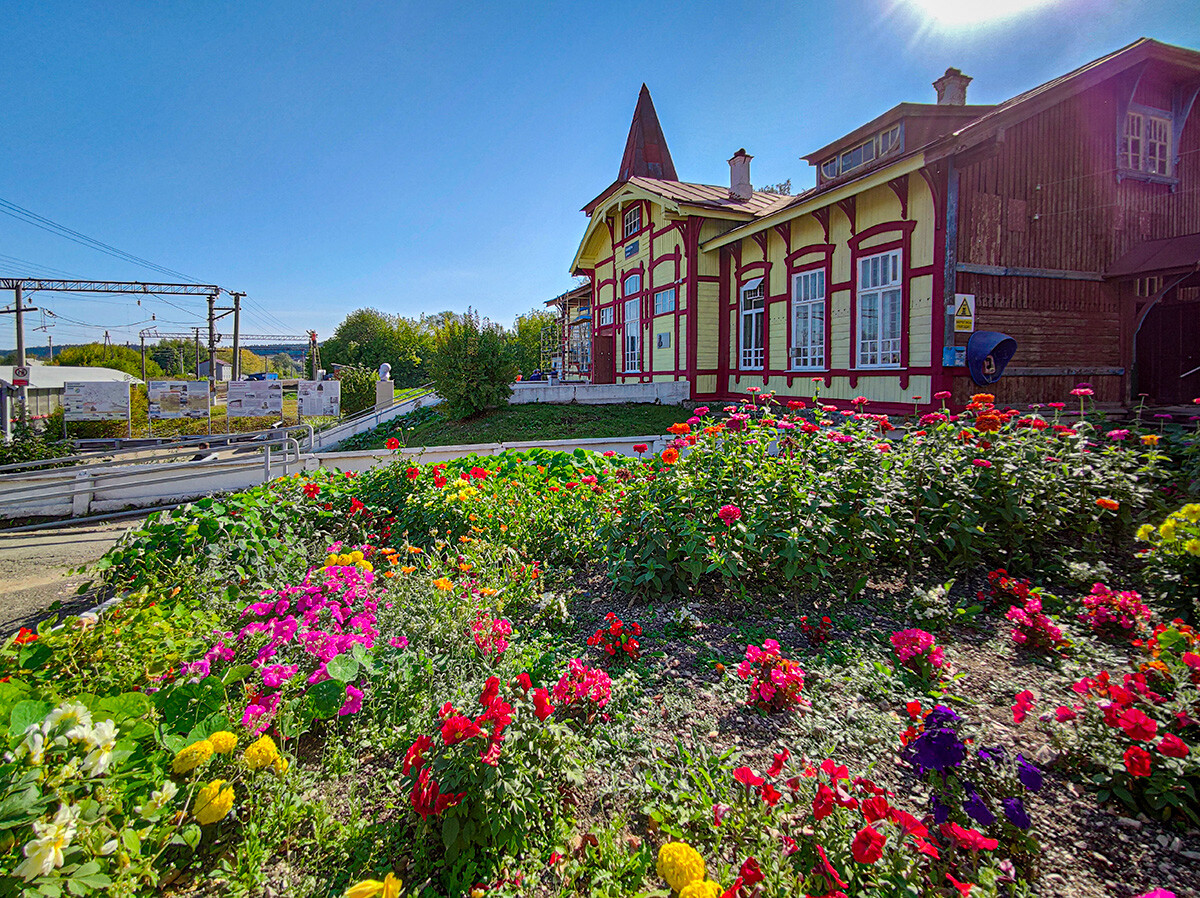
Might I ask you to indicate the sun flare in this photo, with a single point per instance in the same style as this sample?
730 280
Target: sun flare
960 13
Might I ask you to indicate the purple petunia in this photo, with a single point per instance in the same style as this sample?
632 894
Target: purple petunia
1014 810
1030 776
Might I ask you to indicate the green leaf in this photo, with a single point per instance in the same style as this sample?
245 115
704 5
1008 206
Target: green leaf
450 830
126 706
327 697
342 667
27 713
236 674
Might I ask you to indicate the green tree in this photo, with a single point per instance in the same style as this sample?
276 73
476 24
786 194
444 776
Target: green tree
284 365
97 355
527 338
358 388
473 365
368 337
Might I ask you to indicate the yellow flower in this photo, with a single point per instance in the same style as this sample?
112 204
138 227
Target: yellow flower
1167 530
704 889
1192 547
331 560
1145 532
223 742
366 566
1150 439
343 559
680 865
369 888
356 555
262 753
193 756
213 802
280 766
1191 511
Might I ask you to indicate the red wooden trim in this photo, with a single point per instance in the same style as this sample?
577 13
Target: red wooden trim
760 237
900 188
672 256
743 270
784 230
813 248
822 217
942 379
849 207
905 227
709 278
840 286
931 181
723 319
923 270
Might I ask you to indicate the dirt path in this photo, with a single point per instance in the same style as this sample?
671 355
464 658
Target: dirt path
35 570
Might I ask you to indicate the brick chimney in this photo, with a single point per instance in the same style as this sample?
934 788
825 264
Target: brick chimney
952 88
739 176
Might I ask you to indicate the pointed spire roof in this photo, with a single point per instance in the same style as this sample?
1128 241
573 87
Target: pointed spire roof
646 153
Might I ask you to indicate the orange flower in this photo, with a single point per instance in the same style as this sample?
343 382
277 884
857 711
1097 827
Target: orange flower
670 455
984 399
415 550
443 584
504 528
1150 439
407 569
389 574
486 591
1110 504
988 422
680 429
464 567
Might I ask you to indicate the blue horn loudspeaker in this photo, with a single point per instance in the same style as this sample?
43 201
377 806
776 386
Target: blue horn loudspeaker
988 354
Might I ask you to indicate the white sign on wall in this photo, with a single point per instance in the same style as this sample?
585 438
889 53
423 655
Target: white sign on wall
178 399
964 313
254 398
320 398
96 401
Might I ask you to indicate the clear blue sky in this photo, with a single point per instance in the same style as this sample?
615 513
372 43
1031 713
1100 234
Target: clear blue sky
324 156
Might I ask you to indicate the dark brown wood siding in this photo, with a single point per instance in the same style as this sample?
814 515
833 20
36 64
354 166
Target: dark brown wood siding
1046 196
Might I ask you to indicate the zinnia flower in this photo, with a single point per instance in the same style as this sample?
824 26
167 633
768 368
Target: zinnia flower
670 455
213 802
392 443
729 514
680 865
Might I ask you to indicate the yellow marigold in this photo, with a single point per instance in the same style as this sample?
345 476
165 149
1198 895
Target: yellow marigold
262 753
443 584
1191 511
1167 530
344 559
680 865
280 766
356 555
370 888
366 565
705 889
330 560
223 742
213 802
1192 547
193 756
1145 532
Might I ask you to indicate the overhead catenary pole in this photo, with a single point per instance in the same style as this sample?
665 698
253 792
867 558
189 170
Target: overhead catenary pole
143 338
23 392
196 332
212 341
237 314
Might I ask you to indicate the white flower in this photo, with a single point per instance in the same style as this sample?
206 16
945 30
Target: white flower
45 852
108 847
159 798
34 745
102 740
73 717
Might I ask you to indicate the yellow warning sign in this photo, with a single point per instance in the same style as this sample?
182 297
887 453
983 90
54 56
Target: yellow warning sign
964 313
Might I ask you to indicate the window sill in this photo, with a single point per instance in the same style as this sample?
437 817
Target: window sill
1130 174
879 368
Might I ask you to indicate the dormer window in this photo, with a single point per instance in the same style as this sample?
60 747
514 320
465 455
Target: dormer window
1146 143
886 141
633 221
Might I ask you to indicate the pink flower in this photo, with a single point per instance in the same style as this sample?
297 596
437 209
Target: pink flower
1065 713
729 514
981 463
1173 747
942 394
353 703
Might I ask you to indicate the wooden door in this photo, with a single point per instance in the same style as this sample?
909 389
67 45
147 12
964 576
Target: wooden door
604 363
1168 346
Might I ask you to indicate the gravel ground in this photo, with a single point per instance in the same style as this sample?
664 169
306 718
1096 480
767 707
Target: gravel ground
35 570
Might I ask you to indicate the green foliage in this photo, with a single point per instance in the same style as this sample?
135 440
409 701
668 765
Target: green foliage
368 337
31 445
97 355
527 339
473 365
358 388
1173 559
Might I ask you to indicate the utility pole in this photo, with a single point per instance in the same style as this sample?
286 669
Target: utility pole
143 337
212 341
196 332
23 392
50 344
237 354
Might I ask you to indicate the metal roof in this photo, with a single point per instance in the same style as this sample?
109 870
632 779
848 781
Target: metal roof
53 377
1169 255
713 196
646 152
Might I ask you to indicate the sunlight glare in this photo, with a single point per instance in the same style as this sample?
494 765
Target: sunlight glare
958 13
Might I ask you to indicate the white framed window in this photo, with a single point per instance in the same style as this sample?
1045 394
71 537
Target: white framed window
633 220
664 301
606 316
808 319
633 284
886 141
879 306
752 304
1146 142
663 340
633 336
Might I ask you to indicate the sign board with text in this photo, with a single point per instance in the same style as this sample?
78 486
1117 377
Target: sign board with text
254 398
96 401
178 399
319 398
964 313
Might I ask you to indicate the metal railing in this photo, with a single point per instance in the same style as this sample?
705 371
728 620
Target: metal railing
367 420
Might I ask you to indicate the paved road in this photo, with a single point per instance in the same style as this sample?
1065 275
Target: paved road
35 569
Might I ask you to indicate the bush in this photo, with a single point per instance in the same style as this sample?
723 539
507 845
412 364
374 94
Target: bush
358 388
1173 558
473 365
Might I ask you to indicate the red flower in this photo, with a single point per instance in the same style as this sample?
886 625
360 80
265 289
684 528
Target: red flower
541 703
1065 713
875 808
1137 725
968 838
478 473
750 874
355 506
835 771
747 777
826 869
1024 701
458 728
640 448
1173 747
780 760
392 443
823 802
25 636
867 846
964 888
1137 761
412 473
524 682
491 691
311 490
413 758
770 794
729 514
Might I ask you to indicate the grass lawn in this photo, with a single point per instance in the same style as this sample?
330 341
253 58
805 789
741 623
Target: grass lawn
515 423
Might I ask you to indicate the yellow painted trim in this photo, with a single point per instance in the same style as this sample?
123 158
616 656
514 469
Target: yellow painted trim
626 193
850 188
